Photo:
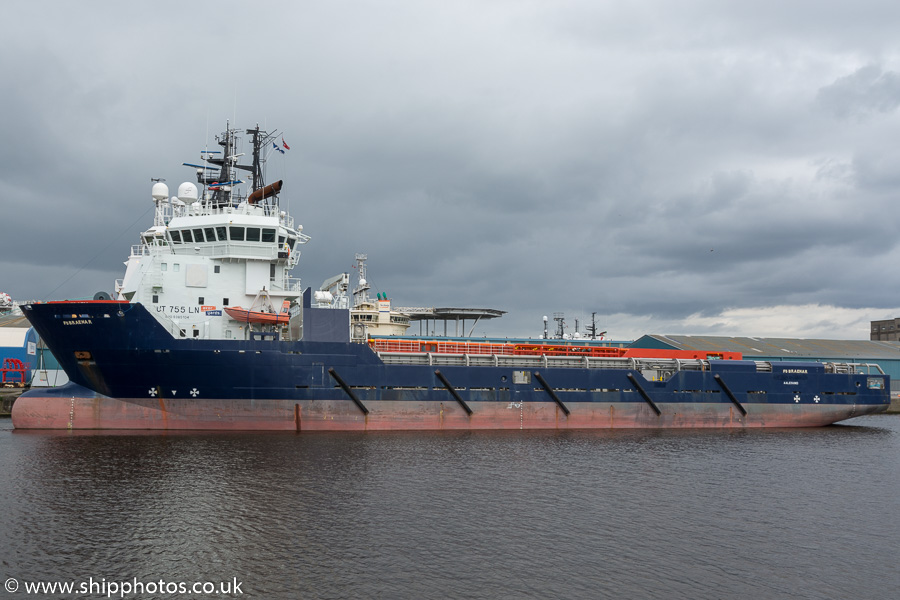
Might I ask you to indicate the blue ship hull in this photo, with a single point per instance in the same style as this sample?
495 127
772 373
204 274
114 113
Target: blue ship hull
127 372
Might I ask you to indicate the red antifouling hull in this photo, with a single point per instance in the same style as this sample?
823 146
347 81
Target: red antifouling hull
34 411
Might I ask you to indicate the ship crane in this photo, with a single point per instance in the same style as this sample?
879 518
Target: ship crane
333 292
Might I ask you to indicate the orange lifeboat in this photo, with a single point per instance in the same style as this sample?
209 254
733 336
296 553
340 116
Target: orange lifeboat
245 315
268 317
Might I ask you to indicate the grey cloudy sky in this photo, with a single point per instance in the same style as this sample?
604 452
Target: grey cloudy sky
676 167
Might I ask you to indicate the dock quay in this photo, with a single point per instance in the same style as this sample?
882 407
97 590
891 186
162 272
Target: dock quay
8 395
894 409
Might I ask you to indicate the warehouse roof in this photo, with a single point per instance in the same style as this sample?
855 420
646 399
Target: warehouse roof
753 347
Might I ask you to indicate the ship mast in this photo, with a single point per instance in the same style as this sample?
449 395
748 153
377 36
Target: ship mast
256 167
222 192
361 293
261 139
226 179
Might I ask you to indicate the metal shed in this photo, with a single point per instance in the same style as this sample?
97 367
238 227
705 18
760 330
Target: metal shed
18 341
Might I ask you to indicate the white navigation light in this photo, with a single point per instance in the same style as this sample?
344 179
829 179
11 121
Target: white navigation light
160 191
187 192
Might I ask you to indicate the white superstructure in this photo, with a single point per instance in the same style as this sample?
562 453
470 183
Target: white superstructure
367 317
218 249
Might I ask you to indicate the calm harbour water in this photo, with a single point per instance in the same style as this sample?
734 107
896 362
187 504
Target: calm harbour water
486 515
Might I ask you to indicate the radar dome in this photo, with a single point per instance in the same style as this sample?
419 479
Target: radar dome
160 191
187 192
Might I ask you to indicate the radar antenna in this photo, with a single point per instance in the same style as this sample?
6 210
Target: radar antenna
361 293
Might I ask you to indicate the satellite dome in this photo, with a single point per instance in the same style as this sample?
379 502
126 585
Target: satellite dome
187 192
160 191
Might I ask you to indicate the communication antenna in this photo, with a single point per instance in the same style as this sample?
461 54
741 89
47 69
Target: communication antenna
560 319
361 293
591 329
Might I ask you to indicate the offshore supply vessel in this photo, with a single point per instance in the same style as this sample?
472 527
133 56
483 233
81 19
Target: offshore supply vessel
208 330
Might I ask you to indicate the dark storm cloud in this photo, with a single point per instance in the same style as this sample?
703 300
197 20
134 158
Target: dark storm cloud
668 165
868 89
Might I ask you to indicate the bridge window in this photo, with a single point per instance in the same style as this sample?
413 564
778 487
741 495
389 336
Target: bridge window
198 235
187 236
268 235
237 234
253 234
221 234
210 234
176 236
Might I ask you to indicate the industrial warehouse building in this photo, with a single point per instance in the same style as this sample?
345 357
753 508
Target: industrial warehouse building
18 342
885 331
